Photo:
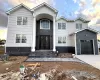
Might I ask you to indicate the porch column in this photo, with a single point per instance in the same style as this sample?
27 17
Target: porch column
54 42
34 34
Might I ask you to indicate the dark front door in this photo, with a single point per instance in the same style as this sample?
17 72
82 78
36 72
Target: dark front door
86 46
44 42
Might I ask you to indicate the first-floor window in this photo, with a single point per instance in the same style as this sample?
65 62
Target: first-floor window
18 38
61 39
21 38
64 39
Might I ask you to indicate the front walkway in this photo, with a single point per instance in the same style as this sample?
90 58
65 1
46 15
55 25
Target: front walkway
93 60
54 59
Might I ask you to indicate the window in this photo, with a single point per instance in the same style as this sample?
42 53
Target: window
78 26
21 38
24 20
61 39
18 38
44 24
64 39
61 25
21 20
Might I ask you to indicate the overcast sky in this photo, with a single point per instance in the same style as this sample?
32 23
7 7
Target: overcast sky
88 9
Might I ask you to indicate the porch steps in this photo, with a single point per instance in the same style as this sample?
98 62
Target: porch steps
43 53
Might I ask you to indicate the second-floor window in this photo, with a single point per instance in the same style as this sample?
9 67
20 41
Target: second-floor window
61 25
21 20
78 26
21 38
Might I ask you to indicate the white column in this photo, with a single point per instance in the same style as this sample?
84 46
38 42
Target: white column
54 42
34 34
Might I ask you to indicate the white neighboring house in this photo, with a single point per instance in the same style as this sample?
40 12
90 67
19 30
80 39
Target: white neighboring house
35 29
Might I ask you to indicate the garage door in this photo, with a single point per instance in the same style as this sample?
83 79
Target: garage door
86 46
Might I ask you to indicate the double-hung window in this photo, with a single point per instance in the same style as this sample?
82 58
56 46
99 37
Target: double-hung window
61 25
61 39
21 38
78 26
22 21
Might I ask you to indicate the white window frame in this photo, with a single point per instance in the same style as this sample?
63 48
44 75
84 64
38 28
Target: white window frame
61 25
45 28
22 20
79 27
59 37
20 38
62 39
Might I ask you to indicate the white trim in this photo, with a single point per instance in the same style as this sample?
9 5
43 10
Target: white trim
45 28
34 34
7 35
68 20
44 4
61 25
22 20
54 40
16 7
75 45
21 35
87 29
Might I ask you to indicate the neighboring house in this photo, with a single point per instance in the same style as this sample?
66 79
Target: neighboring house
39 29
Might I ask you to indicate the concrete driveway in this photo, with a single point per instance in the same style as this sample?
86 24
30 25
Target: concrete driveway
93 60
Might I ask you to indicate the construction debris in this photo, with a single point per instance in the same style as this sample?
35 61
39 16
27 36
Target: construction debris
17 69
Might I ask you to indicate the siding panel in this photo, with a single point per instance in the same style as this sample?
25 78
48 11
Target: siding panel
14 29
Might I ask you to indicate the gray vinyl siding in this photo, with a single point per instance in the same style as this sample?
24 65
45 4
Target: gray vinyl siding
14 29
86 35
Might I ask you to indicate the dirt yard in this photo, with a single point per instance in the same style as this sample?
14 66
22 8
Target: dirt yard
69 67
2 49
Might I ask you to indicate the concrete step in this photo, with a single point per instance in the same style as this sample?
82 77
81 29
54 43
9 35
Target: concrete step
43 53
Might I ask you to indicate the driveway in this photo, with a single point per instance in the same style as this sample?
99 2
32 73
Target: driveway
93 60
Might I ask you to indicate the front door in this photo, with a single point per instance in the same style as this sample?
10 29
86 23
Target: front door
44 42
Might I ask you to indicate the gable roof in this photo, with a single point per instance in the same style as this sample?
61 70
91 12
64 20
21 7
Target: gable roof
17 7
88 28
80 18
68 20
62 17
44 4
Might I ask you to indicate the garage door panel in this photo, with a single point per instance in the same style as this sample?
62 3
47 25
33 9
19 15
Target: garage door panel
86 46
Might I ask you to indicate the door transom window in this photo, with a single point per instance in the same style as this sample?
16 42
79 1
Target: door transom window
44 24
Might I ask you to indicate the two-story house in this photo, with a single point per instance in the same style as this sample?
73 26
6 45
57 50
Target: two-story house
31 30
